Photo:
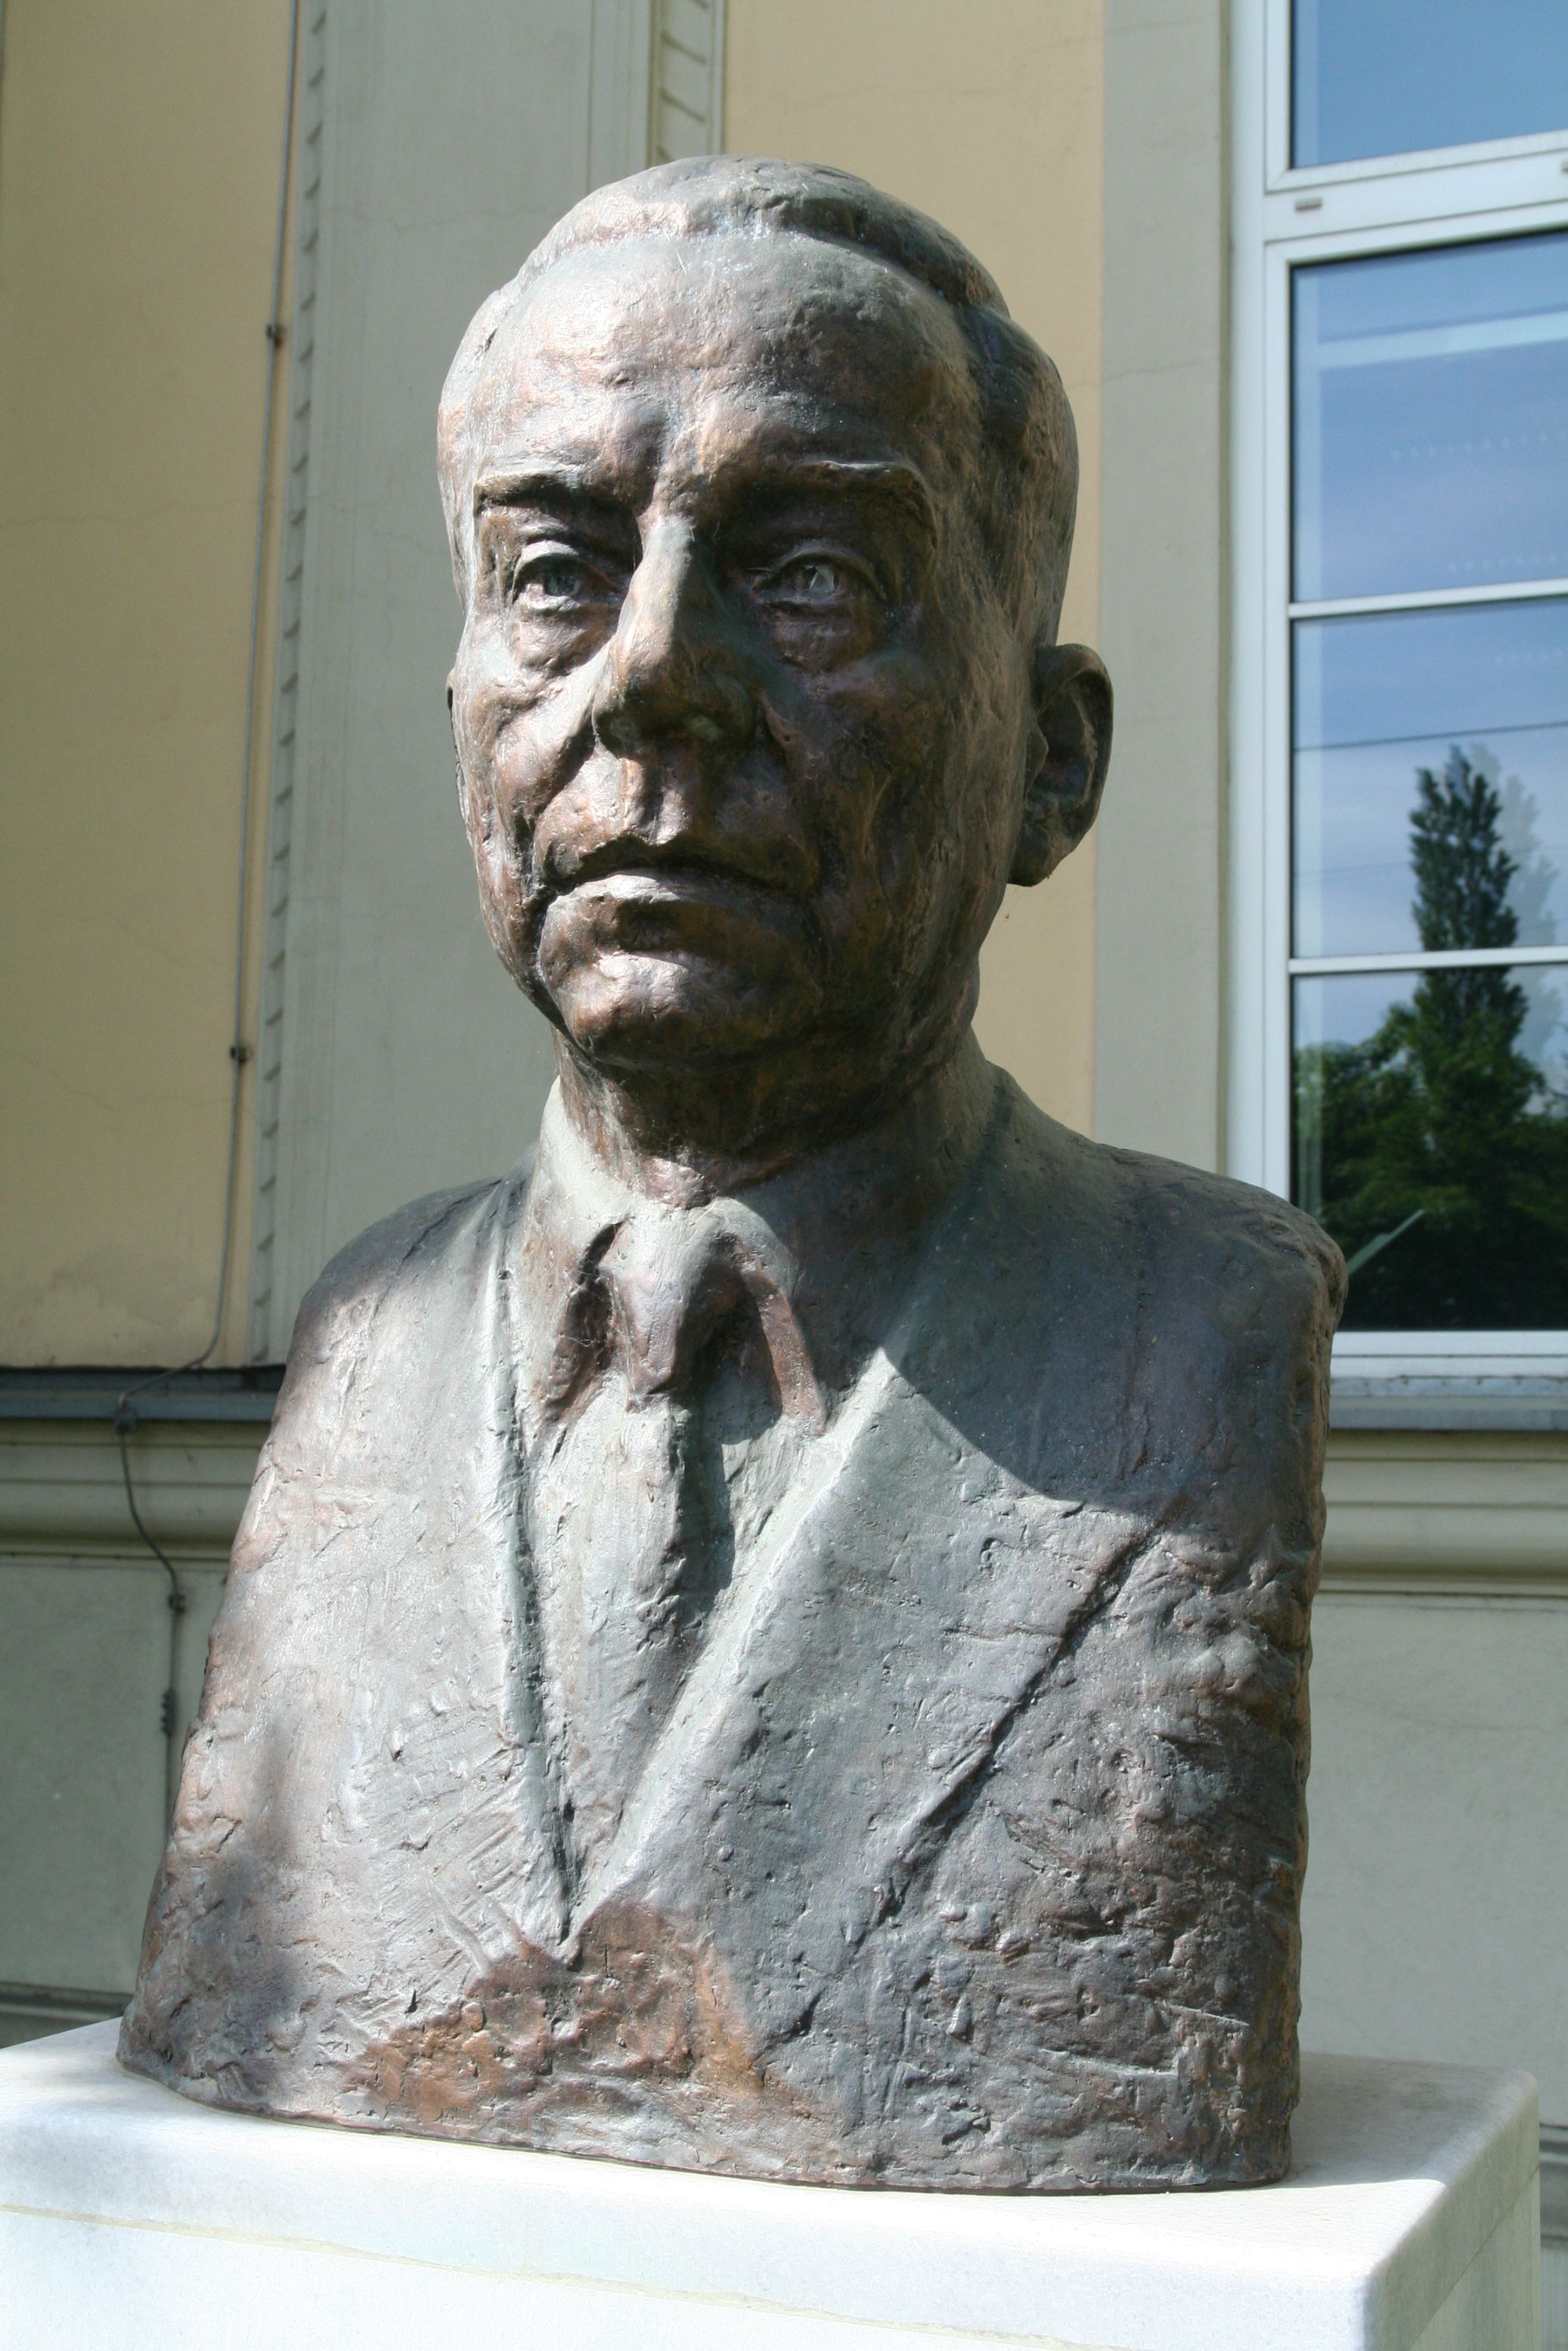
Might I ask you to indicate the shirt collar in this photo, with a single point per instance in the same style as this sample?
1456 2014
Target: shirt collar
838 1231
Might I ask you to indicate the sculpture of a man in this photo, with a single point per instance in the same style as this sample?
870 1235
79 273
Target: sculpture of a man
772 1639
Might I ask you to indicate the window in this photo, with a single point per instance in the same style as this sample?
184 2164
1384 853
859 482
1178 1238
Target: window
1374 77
1400 704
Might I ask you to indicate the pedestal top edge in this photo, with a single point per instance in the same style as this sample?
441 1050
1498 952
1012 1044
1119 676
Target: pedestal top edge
1403 2171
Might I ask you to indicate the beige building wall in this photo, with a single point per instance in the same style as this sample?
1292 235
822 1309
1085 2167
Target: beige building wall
140 151
990 117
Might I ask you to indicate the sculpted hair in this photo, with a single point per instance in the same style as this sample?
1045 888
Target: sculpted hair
1029 448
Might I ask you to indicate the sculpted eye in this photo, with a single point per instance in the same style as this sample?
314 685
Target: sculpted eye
818 606
546 581
814 580
820 582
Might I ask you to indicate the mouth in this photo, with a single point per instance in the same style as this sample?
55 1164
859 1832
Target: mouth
632 869
675 906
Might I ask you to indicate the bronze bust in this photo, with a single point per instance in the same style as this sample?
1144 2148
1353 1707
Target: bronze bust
772 1639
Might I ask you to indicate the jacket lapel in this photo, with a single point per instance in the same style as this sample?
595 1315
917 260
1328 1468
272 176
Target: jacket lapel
913 1597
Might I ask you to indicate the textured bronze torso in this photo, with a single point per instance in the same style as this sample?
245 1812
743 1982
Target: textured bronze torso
970 1856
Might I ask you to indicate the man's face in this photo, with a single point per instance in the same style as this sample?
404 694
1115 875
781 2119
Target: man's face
741 719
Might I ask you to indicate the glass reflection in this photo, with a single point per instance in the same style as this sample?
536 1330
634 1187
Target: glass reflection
1431 419
1431 1139
1431 1109
1475 698
1409 74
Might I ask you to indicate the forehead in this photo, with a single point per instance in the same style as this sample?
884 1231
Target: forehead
705 345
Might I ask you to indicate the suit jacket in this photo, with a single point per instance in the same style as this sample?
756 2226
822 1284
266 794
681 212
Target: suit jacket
971 1854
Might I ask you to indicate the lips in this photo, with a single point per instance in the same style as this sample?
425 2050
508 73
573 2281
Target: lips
631 869
644 940
673 909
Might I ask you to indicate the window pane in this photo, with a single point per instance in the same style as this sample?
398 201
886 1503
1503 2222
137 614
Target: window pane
1432 1140
1431 419
1408 74
1430 794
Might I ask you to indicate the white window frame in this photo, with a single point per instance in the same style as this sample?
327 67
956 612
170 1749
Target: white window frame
1280 218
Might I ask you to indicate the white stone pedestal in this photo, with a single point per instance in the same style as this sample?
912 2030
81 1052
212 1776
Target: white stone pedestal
128 2218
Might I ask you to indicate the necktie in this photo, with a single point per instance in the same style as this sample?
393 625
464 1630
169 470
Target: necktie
680 1333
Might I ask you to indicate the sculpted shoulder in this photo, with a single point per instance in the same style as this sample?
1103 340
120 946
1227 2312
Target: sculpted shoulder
1130 1322
1218 1254
1248 1254
380 1306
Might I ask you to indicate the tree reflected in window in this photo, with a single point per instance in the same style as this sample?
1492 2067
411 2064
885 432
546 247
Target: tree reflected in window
1432 1113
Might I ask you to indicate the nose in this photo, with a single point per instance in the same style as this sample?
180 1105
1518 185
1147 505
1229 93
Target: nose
674 667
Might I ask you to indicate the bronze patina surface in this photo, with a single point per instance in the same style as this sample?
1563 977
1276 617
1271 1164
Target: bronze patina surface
773 1638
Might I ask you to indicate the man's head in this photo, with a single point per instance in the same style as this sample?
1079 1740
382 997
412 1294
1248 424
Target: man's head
760 506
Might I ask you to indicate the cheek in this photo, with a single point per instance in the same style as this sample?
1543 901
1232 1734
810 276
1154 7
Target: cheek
516 736
915 805
878 778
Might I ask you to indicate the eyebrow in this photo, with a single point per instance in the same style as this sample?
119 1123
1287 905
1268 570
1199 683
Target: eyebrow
512 485
564 482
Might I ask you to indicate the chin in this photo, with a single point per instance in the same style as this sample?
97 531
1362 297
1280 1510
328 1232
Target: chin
652 1011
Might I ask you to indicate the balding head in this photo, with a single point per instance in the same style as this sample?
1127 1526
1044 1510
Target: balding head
1026 455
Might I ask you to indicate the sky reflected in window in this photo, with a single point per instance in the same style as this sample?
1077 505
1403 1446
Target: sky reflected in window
1431 419
1410 74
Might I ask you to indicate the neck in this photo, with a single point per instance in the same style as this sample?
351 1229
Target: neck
852 1208
636 1133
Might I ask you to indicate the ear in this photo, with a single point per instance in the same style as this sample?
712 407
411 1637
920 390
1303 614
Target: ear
463 800
475 816
1068 753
